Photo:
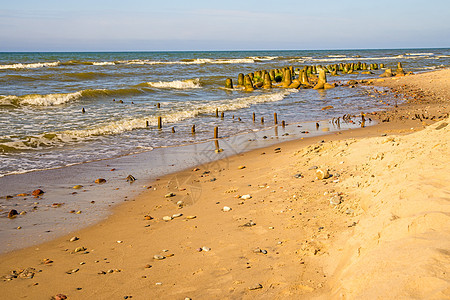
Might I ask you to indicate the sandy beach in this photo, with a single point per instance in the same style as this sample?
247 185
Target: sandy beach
358 214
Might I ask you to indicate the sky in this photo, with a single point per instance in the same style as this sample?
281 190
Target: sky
150 25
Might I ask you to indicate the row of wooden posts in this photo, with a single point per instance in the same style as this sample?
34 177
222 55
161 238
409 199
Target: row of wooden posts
216 129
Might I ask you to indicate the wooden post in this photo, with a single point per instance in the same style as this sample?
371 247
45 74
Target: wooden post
173 129
217 112
317 125
146 123
283 123
222 115
158 105
254 117
262 120
159 122
275 118
216 132
193 129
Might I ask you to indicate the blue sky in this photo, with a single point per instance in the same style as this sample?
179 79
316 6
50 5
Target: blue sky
90 25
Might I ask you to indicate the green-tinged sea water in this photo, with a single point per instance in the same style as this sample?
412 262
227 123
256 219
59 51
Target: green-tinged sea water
42 96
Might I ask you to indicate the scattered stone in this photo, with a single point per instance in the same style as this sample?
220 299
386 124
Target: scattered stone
196 169
241 167
313 168
191 217
298 175
100 180
246 197
169 195
336 200
167 218
119 242
148 217
59 297
37 192
258 250
158 257
206 249
77 187
131 178
12 213
147 266
23 213
79 249
226 208
176 216
47 261
22 195
249 224
72 271
322 174
327 107
255 287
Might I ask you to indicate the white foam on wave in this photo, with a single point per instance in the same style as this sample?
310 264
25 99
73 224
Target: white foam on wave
334 59
263 57
40 100
104 63
419 54
31 66
197 61
177 84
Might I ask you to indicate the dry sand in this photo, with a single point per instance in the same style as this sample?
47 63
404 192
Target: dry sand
286 236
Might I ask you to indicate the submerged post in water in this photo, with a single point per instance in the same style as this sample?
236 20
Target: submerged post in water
159 122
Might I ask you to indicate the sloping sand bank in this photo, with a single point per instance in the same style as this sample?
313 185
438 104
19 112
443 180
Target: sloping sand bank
261 225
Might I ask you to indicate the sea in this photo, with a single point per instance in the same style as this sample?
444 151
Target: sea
43 95
75 108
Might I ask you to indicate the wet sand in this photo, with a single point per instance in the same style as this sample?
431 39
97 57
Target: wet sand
262 225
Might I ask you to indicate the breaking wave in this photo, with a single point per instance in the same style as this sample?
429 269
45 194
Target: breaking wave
31 65
59 99
177 84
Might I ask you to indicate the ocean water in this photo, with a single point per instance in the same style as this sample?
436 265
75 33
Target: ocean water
42 96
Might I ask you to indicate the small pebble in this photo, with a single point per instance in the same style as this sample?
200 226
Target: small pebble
167 218
226 208
246 197
100 180
206 249
255 287
176 215
158 257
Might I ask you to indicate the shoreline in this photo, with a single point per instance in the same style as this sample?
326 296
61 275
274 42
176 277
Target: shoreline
58 183
212 229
